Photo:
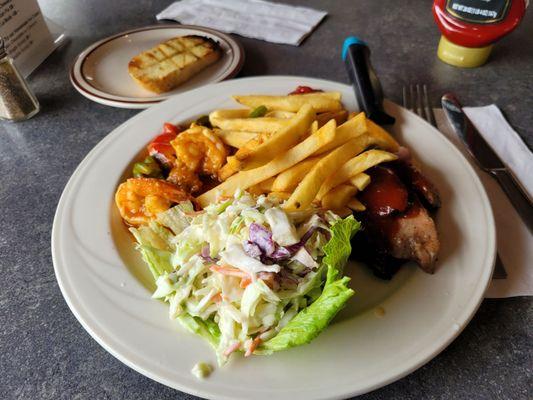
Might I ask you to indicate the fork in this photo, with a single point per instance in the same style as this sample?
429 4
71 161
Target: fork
415 99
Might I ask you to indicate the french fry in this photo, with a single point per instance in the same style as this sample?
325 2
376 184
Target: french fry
226 171
352 128
360 181
353 167
245 179
256 190
266 185
235 138
308 188
261 124
320 101
279 195
228 114
294 131
352 114
338 197
356 205
233 166
280 114
339 116
343 212
255 142
381 137
289 179
314 127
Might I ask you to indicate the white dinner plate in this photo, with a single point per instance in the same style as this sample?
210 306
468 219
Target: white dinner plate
100 72
106 285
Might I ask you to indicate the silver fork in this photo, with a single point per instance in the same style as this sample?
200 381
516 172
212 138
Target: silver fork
415 99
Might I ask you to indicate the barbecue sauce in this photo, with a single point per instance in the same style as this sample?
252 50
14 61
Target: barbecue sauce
386 194
386 199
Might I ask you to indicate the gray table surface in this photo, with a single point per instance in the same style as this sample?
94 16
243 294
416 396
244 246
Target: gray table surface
46 354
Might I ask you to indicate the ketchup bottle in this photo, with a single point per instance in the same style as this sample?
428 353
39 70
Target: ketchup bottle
470 27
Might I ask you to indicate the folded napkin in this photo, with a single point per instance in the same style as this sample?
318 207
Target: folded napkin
276 23
514 241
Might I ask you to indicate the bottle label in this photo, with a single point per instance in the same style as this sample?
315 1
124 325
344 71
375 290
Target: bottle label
478 11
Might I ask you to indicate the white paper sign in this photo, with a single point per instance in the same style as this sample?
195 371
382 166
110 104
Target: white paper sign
27 37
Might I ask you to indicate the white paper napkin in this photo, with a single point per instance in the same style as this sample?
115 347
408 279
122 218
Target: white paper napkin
514 241
276 23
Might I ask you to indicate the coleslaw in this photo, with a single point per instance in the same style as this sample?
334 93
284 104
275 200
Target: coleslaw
246 275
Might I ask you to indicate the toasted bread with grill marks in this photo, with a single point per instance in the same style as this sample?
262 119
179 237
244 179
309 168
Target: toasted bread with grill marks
173 62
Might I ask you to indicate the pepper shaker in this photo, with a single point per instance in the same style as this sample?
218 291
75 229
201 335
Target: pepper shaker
17 102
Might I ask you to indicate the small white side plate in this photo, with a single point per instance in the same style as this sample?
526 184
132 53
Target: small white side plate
100 72
106 284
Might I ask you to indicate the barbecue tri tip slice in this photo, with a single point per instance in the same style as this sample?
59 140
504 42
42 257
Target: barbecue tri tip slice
173 62
397 226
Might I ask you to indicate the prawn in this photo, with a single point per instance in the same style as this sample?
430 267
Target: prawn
184 178
198 152
141 199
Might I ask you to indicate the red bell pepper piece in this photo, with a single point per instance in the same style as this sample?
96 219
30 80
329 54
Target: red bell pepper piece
160 148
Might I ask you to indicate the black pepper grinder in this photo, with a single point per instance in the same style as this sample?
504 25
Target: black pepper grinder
17 102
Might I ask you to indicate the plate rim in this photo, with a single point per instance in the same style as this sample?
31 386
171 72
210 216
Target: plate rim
76 66
473 303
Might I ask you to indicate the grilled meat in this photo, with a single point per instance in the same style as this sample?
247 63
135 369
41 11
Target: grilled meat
397 226
416 181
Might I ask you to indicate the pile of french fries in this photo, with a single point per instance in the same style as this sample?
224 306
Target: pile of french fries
306 150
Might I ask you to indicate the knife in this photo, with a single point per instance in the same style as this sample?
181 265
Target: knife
486 158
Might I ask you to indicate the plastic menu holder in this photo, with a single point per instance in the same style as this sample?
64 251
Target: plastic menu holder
29 37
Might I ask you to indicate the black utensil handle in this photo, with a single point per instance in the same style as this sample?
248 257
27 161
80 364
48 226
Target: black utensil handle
366 85
516 195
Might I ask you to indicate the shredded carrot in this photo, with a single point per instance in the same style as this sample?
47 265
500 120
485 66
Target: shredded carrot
228 270
232 348
255 343
245 282
217 298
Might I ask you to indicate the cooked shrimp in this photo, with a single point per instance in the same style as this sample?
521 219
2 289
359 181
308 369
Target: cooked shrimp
201 152
184 178
141 199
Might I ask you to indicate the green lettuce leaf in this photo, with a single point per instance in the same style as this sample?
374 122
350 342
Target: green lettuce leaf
153 243
309 322
153 235
338 249
209 329
175 218
159 261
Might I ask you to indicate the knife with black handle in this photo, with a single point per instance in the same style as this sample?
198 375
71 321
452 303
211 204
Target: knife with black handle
486 158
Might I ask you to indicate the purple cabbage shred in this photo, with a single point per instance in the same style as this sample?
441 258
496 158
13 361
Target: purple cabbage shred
262 247
252 250
262 237
206 254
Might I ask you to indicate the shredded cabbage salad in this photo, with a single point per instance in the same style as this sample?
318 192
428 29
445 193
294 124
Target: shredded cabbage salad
246 275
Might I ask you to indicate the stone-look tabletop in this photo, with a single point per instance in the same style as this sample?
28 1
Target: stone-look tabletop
44 351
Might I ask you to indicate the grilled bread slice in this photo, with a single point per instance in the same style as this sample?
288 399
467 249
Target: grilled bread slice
173 62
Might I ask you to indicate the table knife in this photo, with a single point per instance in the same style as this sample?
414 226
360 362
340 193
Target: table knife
487 159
